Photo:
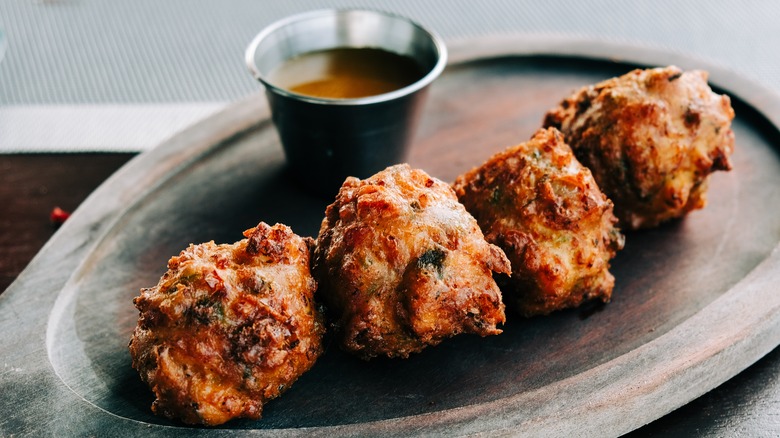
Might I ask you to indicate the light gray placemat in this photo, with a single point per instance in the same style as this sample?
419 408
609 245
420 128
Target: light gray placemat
123 75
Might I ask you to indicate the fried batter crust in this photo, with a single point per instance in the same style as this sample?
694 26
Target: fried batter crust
544 209
651 138
228 327
402 265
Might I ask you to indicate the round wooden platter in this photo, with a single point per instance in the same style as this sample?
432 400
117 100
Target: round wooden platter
695 301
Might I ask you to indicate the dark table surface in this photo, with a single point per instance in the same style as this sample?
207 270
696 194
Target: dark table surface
32 185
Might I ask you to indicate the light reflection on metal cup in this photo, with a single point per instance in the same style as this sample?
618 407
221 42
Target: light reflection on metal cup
326 140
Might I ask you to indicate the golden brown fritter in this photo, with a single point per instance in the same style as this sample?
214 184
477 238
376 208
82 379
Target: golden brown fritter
402 265
228 327
543 208
651 138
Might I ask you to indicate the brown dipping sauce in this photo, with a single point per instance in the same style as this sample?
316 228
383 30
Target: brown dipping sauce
346 73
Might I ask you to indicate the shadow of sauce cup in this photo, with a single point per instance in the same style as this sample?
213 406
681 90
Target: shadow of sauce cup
326 138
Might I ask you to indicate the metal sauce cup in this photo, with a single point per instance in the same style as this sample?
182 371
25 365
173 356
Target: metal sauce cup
325 140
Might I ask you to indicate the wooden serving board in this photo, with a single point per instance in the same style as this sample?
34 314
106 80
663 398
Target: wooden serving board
695 301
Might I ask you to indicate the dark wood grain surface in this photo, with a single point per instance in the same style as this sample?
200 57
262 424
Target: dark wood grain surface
746 405
32 184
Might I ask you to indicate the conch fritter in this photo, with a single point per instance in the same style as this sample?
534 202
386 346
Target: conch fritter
228 327
402 265
651 138
544 209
